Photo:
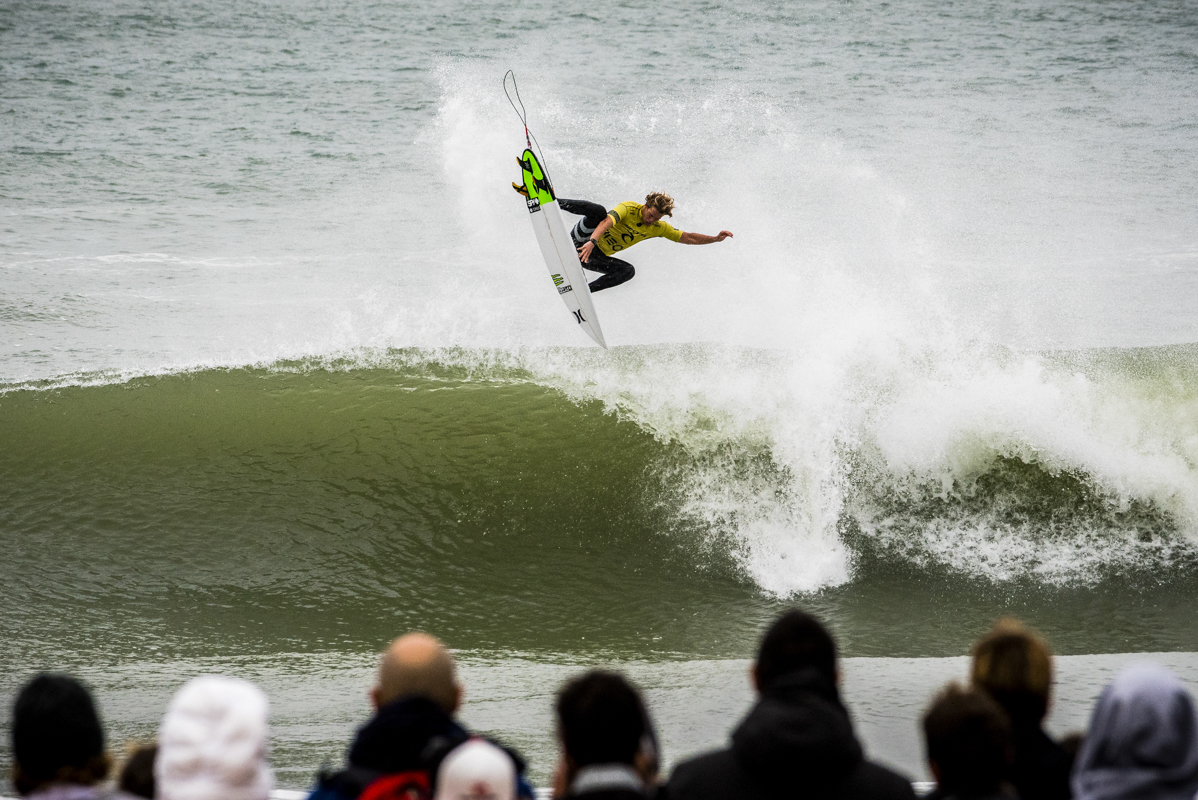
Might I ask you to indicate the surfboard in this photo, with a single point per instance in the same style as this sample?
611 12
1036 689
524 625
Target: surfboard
558 248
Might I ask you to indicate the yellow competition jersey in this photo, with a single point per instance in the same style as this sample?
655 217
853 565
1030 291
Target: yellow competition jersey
628 228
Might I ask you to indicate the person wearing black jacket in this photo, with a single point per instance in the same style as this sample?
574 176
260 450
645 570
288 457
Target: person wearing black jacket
1014 666
797 741
412 729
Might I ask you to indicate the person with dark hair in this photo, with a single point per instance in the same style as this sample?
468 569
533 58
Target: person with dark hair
137 776
798 739
969 750
1014 666
609 751
58 741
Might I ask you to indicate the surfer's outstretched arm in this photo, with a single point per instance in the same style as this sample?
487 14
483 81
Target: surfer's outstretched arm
703 238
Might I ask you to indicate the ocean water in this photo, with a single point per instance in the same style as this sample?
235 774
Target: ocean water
281 375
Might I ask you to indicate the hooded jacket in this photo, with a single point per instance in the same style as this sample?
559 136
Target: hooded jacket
404 735
796 742
1041 768
410 734
1143 740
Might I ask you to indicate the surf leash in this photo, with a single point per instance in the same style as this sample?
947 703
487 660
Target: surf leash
529 137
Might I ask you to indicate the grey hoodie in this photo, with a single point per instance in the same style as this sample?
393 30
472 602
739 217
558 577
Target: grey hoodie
1142 742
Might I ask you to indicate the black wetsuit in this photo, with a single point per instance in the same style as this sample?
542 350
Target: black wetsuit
615 271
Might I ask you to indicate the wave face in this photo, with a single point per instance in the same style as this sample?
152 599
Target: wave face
788 470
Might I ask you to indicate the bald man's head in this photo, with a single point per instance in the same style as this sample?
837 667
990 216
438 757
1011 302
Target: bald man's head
417 665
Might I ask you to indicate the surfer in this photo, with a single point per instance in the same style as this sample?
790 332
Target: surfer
601 233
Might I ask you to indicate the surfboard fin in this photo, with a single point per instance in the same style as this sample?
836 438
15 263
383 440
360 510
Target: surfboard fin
520 189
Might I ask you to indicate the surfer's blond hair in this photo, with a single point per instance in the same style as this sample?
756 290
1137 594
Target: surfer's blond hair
661 201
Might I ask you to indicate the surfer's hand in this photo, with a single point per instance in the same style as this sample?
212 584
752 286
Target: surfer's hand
585 251
723 235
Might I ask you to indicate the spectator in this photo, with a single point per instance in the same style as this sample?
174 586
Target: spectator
969 750
397 752
1142 741
1014 666
797 738
476 770
1071 743
58 742
137 776
212 743
608 748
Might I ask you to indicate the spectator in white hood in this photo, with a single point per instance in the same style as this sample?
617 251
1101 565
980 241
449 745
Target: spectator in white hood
476 770
1142 742
212 743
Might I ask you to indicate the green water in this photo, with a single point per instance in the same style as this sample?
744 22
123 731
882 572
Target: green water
854 405
284 524
263 511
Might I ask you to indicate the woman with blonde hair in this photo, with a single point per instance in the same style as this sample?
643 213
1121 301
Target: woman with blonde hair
1014 666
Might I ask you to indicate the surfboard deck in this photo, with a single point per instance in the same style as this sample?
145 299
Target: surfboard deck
558 248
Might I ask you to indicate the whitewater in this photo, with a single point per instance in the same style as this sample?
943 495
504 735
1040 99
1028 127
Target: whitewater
281 375
910 307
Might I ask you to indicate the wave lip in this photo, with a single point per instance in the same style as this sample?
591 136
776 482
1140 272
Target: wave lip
1059 468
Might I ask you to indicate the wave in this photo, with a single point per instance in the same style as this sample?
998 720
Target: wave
839 399
788 468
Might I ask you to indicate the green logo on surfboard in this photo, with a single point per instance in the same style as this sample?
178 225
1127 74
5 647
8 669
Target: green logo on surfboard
539 191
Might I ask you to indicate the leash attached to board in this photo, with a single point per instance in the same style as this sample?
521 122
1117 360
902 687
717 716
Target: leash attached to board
556 245
542 172
520 112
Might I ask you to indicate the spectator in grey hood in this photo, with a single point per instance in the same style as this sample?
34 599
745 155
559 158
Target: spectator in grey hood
1142 742
797 741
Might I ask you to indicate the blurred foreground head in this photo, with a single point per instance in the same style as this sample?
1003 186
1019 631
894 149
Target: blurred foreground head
1014 666
212 743
56 735
418 665
137 776
606 737
968 739
476 770
794 643
1142 741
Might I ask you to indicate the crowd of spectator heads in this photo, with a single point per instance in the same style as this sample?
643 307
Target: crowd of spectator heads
984 740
